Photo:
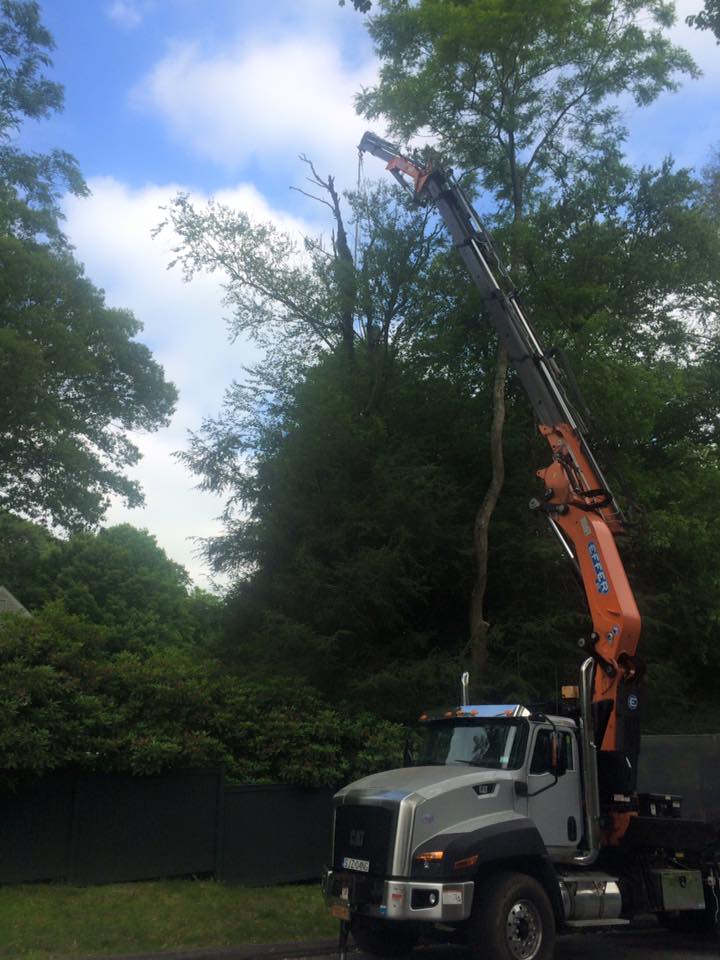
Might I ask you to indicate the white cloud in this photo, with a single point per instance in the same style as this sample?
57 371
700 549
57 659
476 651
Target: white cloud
184 327
686 123
700 43
260 99
175 512
126 13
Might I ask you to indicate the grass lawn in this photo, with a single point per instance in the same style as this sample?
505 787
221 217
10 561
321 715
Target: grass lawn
58 922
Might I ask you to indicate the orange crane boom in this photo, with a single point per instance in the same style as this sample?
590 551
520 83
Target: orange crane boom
576 499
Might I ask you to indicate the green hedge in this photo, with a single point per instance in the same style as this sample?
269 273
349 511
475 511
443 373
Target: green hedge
67 700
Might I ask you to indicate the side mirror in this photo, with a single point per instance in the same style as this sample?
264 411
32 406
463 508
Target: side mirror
558 755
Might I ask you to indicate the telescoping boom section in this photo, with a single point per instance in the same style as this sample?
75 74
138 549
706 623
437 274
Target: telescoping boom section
576 498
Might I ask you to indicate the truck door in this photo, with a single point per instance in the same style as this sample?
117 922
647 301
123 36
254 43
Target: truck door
555 806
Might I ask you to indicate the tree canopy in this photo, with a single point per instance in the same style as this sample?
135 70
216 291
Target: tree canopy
118 579
524 93
350 527
74 380
31 183
66 701
74 383
352 458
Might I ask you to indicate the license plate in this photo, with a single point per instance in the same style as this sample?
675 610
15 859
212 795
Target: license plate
452 897
340 912
350 863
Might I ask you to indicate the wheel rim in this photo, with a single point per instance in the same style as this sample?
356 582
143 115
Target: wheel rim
523 930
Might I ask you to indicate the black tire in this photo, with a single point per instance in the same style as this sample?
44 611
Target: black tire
512 919
382 938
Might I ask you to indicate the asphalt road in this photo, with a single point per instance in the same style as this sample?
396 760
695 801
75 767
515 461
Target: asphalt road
634 945
611 945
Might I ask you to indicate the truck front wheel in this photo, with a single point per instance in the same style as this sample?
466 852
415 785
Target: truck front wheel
382 938
512 919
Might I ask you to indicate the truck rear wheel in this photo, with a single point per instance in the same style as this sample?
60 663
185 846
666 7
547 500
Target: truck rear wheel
382 938
512 919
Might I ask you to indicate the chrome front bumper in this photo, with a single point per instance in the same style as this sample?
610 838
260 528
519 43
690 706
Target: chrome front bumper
442 902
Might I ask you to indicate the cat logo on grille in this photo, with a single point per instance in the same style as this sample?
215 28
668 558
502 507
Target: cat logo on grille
357 838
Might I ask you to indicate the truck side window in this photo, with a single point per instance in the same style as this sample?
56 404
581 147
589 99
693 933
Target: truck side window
542 757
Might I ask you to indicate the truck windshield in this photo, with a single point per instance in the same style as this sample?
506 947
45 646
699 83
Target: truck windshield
495 743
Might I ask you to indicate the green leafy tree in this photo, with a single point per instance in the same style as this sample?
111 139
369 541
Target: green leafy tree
349 523
74 381
301 301
122 580
631 294
320 429
118 579
522 94
355 539
24 547
30 183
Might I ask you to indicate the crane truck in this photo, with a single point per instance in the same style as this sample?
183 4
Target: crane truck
513 824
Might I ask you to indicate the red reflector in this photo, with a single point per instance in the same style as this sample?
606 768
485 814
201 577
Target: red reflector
466 862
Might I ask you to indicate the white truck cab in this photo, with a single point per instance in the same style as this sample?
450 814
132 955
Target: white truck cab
492 836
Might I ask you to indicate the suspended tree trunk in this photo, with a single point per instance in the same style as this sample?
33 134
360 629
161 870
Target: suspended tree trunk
479 626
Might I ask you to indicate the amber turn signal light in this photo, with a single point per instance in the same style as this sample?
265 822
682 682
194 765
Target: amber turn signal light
430 857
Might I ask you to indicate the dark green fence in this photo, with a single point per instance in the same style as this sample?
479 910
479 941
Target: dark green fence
105 828
275 834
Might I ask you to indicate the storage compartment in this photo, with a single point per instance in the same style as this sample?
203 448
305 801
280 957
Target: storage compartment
663 805
679 889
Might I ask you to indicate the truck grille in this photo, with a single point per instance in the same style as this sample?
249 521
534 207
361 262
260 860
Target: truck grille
364 833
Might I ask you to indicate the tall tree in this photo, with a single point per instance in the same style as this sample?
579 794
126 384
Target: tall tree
301 298
306 446
524 94
352 542
73 380
73 383
625 281
30 183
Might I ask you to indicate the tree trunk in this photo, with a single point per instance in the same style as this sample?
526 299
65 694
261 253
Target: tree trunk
344 262
478 624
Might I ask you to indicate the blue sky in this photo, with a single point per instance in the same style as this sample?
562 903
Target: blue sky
218 97
139 74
